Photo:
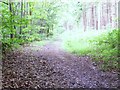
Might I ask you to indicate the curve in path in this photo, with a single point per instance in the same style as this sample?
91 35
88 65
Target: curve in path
77 71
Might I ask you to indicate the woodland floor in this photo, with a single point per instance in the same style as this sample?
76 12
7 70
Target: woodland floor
50 66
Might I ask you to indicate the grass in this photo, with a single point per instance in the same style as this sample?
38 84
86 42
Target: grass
102 46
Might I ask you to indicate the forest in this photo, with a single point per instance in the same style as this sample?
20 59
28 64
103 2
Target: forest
59 44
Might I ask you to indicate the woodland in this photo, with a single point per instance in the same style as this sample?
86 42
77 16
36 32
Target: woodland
59 44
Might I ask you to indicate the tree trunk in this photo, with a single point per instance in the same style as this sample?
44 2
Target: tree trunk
84 20
21 5
11 17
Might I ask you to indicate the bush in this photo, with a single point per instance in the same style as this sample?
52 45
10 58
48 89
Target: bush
101 46
106 48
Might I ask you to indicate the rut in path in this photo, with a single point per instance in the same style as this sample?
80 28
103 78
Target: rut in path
64 70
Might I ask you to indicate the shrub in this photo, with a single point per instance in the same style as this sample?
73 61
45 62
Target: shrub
101 46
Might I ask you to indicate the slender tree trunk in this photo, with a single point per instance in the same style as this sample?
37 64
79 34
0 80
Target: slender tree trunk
11 17
21 5
116 14
14 13
96 18
92 16
84 20
110 16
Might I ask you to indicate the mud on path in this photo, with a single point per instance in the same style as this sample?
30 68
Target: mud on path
50 66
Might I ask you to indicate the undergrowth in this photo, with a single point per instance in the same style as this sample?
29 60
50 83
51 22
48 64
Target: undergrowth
102 46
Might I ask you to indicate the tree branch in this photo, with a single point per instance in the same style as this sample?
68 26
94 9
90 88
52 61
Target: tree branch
3 2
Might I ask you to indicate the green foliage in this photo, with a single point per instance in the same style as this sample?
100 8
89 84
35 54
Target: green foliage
45 13
102 46
23 24
106 47
9 28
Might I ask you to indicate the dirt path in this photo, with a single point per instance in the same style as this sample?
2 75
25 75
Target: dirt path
51 67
